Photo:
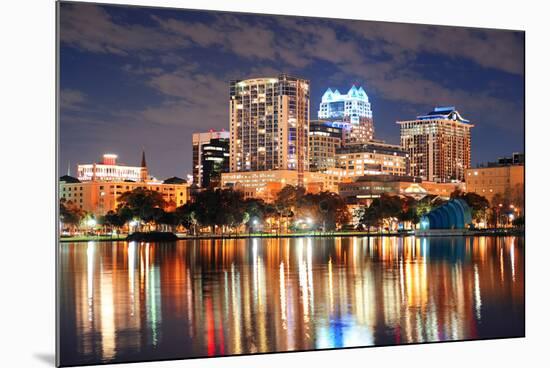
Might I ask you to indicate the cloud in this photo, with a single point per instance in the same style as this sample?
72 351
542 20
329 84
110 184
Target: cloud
188 99
91 28
378 54
237 35
141 70
71 99
500 50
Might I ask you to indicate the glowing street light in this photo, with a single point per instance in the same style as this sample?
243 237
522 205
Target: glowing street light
91 222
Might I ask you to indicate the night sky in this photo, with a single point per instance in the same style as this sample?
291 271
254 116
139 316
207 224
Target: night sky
134 78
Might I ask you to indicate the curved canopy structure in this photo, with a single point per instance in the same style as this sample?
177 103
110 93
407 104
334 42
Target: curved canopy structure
455 214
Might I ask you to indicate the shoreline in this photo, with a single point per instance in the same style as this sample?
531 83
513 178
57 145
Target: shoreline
469 233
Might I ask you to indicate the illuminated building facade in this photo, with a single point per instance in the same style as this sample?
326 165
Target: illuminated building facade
372 158
109 170
438 145
100 197
352 110
102 184
210 158
365 188
269 121
506 177
324 139
267 184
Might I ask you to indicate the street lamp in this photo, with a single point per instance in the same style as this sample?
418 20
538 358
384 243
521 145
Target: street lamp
133 224
309 222
91 222
498 214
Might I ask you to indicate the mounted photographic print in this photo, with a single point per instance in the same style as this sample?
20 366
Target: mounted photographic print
234 184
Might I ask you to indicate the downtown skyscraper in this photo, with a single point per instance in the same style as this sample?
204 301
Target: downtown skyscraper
352 111
438 144
269 123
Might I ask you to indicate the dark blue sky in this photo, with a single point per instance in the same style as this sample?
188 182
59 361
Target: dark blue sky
134 78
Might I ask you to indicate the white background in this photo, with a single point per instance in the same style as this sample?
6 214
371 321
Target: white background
27 181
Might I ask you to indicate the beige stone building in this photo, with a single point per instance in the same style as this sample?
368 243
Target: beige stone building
100 189
325 139
101 197
373 158
364 189
506 180
267 184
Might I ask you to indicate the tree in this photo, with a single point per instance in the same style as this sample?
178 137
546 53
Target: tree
500 205
409 212
382 211
518 196
519 221
143 204
70 214
476 202
256 210
168 220
186 216
218 209
286 201
112 220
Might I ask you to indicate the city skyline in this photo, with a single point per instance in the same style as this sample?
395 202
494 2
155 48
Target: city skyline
162 75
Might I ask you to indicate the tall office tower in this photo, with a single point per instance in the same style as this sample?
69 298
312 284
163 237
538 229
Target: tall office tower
438 144
324 139
269 120
353 109
210 158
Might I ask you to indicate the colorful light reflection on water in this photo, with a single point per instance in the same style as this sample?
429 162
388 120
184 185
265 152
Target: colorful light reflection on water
124 301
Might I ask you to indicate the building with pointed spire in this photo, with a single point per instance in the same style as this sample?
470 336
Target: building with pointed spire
352 111
99 185
143 174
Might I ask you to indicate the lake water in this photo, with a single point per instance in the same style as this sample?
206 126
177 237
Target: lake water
132 301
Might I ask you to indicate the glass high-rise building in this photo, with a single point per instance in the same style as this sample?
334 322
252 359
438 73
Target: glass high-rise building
269 122
353 110
438 144
210 158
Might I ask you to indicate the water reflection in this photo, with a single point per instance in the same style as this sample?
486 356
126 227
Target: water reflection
133 301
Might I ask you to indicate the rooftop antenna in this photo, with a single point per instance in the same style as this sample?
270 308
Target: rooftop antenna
69 168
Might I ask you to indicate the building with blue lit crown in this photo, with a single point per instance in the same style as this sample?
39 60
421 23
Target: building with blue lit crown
352 110
438 144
